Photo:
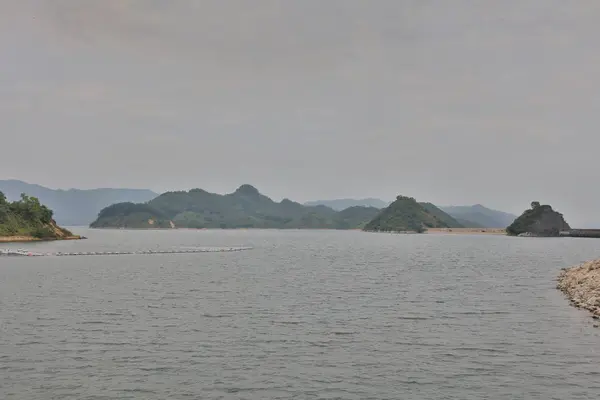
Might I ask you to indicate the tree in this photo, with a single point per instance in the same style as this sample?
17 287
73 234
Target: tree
535 204
31 208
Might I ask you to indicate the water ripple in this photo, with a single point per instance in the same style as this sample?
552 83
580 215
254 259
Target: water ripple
305 315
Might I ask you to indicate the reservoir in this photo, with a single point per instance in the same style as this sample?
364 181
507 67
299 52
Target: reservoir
300 315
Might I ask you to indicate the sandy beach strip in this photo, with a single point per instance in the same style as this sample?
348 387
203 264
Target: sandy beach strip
17 239
468 231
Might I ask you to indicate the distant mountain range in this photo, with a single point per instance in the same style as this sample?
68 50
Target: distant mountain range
342 204
74 206
442 218
244 208
81 207
478 216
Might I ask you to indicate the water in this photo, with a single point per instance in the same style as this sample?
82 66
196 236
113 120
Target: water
304 315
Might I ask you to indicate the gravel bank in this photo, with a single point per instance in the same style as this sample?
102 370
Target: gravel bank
581 284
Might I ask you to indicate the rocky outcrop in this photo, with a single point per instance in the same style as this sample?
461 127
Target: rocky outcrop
539 220
581 284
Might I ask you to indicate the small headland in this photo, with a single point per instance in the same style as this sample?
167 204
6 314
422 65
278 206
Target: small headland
538 221
28 220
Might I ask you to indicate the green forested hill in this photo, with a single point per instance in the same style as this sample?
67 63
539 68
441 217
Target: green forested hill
407 215
28 218
244 208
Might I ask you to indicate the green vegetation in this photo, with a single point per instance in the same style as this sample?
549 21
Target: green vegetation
245 208
28 217
131 215
406 215
539 220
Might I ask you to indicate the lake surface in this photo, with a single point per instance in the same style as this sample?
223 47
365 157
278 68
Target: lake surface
304 315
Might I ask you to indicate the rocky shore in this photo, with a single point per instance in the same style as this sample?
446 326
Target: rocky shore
581 284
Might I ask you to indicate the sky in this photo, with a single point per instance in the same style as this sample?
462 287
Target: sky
453 102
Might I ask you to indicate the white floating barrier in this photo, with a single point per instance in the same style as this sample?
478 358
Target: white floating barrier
22 252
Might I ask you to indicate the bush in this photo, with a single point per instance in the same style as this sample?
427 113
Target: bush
43 232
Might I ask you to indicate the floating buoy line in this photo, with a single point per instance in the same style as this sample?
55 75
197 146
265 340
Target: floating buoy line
27 253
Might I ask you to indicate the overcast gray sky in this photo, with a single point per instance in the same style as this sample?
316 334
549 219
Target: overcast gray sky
454 102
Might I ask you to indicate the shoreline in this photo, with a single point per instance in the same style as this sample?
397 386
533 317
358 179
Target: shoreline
452 231
468 231
581 285
25 239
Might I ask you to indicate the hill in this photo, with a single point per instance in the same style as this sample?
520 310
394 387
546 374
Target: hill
539 220
407 215
74 206
342 204
244 208
478 216
28 219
